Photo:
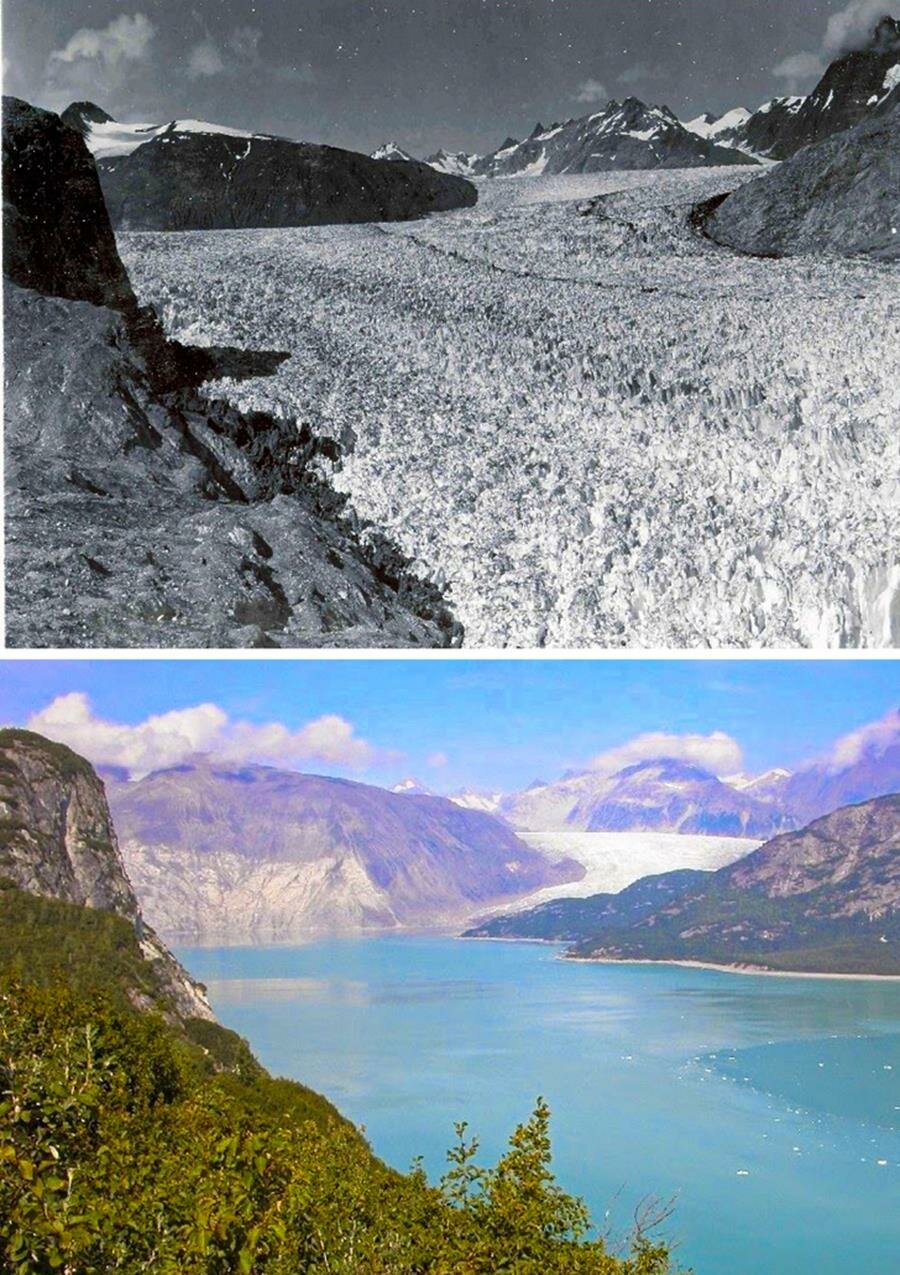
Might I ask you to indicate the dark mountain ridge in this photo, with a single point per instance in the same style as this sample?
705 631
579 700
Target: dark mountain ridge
191 176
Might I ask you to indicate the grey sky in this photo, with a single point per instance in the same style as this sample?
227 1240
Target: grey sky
428 73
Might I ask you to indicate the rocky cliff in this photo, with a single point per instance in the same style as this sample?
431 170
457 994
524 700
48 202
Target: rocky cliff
840 196
254 853
56 233
140 510
57 842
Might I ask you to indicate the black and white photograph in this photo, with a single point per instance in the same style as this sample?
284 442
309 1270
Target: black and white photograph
564 324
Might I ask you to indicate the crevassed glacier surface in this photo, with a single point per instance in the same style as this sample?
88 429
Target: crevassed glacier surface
593 426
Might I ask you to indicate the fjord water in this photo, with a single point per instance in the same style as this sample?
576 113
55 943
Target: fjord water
770 1107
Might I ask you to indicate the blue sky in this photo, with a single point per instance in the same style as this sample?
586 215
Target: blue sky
496 723
457 73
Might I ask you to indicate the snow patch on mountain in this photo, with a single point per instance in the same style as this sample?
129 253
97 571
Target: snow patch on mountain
112 139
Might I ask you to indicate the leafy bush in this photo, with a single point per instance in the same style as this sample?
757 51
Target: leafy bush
118 1151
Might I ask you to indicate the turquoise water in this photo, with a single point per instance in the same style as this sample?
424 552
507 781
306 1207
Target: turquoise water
764 1105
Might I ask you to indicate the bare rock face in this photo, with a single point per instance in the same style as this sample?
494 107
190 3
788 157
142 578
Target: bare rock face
840 196
57 841
56 233
257 853
847 863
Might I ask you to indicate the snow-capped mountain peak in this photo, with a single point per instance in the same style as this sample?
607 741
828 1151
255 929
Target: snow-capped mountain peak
411 787
391 151
716 126
107 138
489 802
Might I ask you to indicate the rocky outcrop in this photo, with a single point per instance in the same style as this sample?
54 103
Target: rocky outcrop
142 511
57 841
56 234
840 196
254 853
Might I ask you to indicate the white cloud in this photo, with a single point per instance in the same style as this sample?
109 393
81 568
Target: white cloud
125 39
871 740
799 68
853 25
591 91
849 28
437 760
170 738
636 74
205 60
717 752
97 62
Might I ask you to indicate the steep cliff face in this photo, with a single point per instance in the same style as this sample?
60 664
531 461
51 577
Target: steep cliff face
57 842
56 233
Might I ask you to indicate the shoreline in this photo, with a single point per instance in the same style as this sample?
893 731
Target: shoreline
750 970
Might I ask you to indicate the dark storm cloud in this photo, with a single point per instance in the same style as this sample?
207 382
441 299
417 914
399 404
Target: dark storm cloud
458 73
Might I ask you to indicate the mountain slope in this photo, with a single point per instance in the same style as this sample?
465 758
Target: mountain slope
660 794
852 87
818 789
57 842
838 196
253 851
624 135
826 898
190 175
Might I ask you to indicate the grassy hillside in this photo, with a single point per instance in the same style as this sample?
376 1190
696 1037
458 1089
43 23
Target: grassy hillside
130 1141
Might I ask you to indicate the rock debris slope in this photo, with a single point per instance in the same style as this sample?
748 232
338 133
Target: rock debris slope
256 853
140 511
57 841
840 196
